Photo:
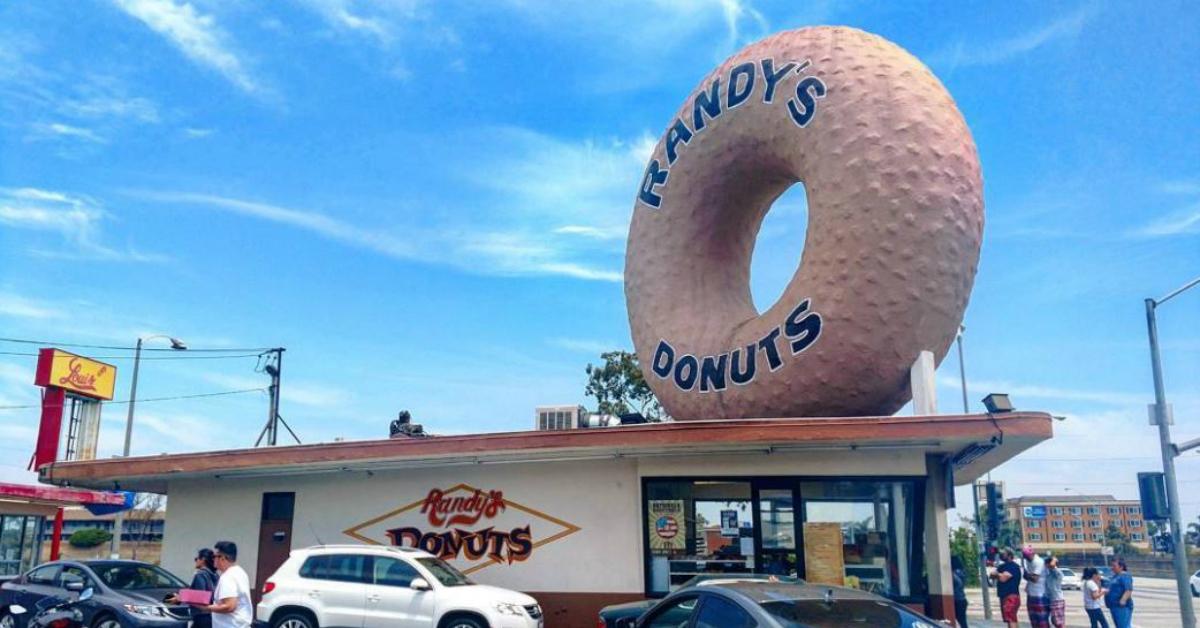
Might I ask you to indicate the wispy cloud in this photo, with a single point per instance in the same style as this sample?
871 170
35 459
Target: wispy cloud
76 218
982 53
581 345
312 221
196 134
1183 222
60 130
17 306
535 205
196 35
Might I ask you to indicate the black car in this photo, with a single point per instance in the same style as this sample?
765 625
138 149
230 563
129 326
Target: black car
125 593
764 604
620 615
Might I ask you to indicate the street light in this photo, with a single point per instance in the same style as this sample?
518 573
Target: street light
1169 451
177 345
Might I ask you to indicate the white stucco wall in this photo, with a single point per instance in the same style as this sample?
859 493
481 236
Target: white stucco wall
601 497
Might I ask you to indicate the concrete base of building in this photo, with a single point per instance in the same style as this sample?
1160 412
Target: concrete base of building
578 609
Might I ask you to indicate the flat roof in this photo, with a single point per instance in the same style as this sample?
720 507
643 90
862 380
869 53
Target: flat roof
992 439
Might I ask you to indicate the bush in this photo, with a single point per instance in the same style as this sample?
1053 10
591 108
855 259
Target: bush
89 537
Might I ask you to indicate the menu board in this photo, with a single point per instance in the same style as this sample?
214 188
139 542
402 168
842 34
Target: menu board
667 526
823 559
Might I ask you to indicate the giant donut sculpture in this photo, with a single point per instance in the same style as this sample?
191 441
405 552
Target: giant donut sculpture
895 222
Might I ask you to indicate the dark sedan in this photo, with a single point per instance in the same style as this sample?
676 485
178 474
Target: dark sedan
126 593
748 603
621 615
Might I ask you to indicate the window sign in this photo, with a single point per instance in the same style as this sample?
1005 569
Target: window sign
1035 512
667 526
729 523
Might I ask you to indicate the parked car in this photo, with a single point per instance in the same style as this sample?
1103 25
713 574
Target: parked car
615 615
1071 581
746 603
125 593
1195 582
385 587
1106 574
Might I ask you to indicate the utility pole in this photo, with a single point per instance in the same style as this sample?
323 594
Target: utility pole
270 431
980 541
1169 451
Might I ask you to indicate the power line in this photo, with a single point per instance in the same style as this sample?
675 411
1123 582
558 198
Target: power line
123 401
49 343
164 357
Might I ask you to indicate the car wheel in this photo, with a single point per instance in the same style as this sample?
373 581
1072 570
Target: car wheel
8 621
295 620
106 621
465 622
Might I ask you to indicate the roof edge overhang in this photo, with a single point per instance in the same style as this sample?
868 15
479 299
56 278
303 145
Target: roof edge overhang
977 442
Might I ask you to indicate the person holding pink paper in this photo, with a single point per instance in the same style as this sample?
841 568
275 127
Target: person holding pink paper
203 580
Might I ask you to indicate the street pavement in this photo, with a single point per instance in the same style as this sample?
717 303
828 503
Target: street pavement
1155 605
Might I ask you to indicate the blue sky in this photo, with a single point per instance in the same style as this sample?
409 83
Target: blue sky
427 204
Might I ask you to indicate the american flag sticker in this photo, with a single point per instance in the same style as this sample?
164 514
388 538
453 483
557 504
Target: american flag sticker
666 517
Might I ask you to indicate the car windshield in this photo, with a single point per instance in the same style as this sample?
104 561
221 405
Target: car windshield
836 614
134 576
444 572
1067 572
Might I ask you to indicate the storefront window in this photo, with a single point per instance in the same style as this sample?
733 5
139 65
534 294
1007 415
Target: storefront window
19 544
697 528
865 534
878 535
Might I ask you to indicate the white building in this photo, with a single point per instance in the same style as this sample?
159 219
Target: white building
584 518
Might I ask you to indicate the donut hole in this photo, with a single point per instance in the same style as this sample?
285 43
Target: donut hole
779 247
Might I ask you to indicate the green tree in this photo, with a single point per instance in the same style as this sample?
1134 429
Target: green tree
965 546
1116 539
89 537
619 387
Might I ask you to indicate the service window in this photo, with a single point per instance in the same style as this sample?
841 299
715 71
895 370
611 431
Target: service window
697 528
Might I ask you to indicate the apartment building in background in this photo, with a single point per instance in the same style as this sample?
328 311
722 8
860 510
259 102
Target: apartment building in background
1076 522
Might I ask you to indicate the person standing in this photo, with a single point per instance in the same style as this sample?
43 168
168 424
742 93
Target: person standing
1035 588
1054 593
1093 594
231 607
203 579
960 591
1119 598
1008 587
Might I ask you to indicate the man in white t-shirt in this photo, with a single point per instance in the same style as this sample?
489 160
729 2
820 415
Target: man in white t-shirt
231 606
1035 589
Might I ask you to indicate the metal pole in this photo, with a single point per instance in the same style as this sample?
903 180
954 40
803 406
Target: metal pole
981 543
275 397
1186 610
119 520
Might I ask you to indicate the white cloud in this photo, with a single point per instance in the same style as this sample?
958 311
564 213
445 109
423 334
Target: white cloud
534 205
1185 222
17 306
581 345
75 217
1182 187
196 35
60 130
111 106
194 133
978 53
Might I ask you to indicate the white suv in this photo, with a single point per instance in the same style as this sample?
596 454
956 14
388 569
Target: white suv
364 586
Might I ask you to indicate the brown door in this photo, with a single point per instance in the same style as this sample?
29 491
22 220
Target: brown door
274 536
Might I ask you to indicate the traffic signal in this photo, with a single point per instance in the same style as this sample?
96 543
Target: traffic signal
1152 490
995 512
